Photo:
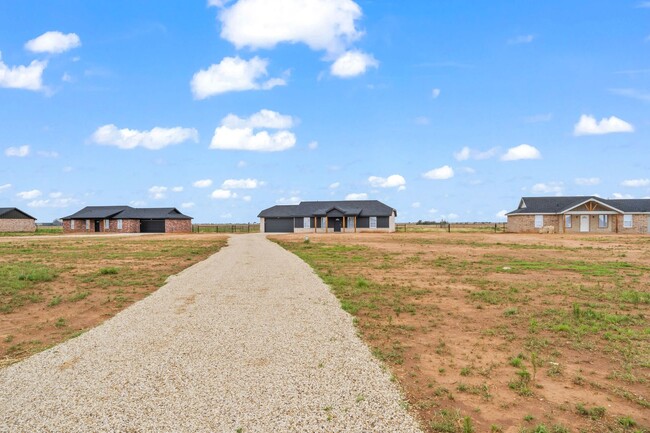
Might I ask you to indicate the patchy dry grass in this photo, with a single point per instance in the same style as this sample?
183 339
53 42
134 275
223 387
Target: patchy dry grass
52 289
498 332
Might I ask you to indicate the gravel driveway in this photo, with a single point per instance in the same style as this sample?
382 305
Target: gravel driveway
249 340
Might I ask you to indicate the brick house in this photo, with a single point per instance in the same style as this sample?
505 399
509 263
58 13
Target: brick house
580 214
126 219
14 220
349 216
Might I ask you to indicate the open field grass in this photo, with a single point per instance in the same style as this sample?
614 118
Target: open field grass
501 332
40 231
52 289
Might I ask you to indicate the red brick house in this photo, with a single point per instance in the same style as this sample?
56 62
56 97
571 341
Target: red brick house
126 219
580 214
14 220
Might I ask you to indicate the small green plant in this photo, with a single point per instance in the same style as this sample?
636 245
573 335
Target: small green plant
360 398
467 425
559 428
528 418
516 362
465 371
541 428
495 428
9 338
108 271
594 413
78 296
626 422
55 301
60 322
510 312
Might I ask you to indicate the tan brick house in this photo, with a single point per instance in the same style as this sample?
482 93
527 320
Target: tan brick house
580 214
126 219
14 220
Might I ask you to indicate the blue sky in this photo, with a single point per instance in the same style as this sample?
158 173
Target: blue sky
440 109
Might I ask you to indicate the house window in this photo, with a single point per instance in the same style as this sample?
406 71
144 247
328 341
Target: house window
567 221
603 221
373 222
539 221
306 222
119 224
87 224
627 221
323 220
107 224
350 223
71 224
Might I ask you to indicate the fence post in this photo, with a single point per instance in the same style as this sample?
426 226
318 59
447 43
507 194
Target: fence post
448 228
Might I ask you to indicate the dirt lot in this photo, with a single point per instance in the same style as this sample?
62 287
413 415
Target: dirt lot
54 288
501 332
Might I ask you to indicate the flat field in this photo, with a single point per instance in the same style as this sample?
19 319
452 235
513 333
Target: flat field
501 332
54 288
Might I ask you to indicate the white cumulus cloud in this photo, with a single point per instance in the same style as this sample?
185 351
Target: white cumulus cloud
587 125
435 93
353 63
28 195
618 195
188 205
392 181
313 145
636 183
53 42
233 74
501 214
320 24
335 185
440 173
587 181
53 202
288 200
5 186
19 152
262 119
223 194
523 151
155 139
416 205
22 77
357 196
466 153
236 133
158 192
177 189
203 183
241 184
548 188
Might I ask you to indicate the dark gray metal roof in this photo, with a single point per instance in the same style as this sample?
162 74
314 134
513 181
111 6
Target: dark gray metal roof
554 205
320 208
126 212
12 210
152 213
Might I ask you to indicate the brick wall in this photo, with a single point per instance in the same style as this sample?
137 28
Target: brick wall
178 226
128 226
526 223
17 225
639 224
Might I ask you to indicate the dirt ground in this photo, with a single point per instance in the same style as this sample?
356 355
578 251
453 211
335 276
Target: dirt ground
56 287
501 332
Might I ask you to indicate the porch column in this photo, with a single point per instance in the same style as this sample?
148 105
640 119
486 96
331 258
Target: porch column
315 224
355 223
327 223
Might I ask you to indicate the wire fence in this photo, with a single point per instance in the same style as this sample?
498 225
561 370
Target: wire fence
455 227
226 228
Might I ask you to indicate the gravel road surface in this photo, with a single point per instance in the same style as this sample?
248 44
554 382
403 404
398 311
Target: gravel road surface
249 340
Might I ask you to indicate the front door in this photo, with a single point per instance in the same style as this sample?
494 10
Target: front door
96 225
584 223
337 224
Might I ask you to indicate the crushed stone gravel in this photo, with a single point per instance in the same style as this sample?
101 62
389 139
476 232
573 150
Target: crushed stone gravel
249 340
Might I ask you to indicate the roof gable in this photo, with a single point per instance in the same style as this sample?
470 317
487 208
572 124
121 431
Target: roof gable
322 208
14 213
